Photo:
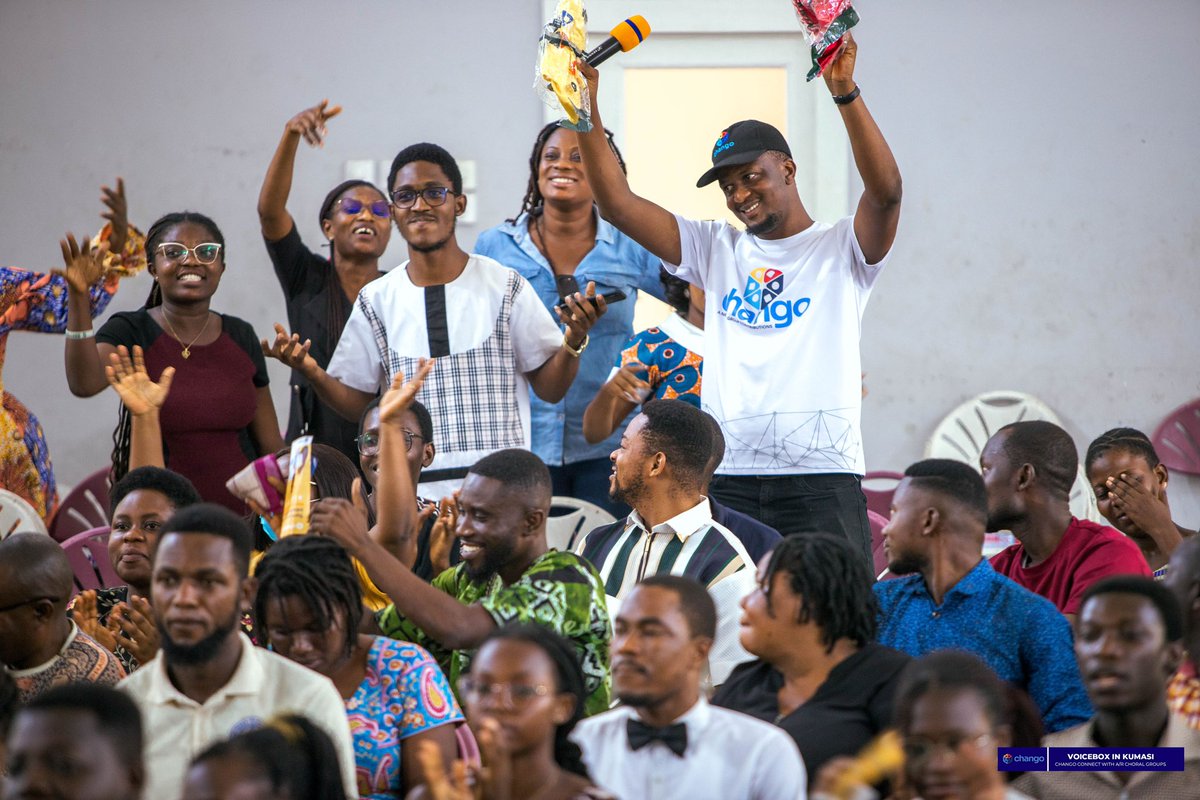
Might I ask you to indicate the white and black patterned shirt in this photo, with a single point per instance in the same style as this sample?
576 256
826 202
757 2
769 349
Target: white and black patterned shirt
689 544
487 329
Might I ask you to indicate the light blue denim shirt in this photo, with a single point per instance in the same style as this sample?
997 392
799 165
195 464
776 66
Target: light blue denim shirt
616 262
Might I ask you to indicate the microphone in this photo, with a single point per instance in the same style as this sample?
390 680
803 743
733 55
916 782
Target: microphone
623 38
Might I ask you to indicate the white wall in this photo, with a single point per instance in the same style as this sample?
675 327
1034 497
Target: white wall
1049 240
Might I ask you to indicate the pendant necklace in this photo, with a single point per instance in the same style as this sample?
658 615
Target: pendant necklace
187 348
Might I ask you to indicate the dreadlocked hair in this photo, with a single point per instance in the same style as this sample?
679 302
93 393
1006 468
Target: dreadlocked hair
154 237
532 202
333 307
317 570
1128 440
833 584
570 680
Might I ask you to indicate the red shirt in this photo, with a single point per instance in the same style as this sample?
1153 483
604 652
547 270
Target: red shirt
1087 553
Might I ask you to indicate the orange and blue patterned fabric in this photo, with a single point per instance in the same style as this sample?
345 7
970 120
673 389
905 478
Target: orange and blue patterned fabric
673 371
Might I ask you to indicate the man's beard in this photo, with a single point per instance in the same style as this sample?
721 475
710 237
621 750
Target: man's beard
630 493
430 248
200 652
906 564
766 226
495 556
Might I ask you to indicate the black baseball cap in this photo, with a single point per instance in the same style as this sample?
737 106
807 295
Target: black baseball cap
741 143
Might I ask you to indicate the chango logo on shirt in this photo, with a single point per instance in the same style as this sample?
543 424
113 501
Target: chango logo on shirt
760 305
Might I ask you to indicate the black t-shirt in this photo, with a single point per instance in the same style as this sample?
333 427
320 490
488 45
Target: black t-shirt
848 710
317 309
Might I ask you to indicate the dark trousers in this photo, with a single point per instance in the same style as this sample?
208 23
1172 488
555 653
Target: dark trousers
798 504
587 480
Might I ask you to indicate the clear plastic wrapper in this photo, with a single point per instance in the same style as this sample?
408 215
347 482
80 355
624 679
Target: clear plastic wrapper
252 483
825 22
559 82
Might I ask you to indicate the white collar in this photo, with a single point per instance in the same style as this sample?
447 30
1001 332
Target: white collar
683 525
25 673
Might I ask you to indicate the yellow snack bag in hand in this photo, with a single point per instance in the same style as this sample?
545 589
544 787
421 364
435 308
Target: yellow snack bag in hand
564 39
297 504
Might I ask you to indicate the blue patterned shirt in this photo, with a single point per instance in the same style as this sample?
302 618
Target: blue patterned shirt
1019 634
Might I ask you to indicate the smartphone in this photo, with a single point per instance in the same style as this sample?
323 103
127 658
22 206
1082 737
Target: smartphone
610 297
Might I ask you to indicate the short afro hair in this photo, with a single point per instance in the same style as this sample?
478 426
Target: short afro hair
1047 448
1162 598
116 714
214 520
178 490
684 434
520 470
953 479
694 601
434 154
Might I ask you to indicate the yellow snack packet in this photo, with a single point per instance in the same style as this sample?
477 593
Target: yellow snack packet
559 82
297 503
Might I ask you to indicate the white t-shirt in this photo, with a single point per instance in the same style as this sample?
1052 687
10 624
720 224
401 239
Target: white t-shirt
487 328
782 319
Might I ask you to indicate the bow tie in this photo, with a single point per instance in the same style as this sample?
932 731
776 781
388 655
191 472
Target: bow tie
641 734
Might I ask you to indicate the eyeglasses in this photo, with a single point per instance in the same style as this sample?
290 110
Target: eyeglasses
920 749
205 253
513 695
433 195
368 443
28 602
351 206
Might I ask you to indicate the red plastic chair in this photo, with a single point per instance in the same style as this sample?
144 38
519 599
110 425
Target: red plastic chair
879 500
88 554
1177 439
85 509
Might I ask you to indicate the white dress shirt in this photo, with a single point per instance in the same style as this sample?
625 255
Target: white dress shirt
729 756
177 728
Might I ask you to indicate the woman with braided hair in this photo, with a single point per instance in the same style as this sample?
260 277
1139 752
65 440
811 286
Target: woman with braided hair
1131 492
308 607
558 243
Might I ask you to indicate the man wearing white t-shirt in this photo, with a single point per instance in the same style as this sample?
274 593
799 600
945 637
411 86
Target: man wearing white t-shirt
785 302
485 325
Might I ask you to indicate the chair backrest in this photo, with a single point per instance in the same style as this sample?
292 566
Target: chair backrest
18 516
879 493
85 508
571 519
965 430
88 554
1177 439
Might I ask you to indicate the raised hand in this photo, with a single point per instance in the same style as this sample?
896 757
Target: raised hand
310 123
83 265
400 395
839 75
133 626
344 521
129 378
1150 514
117 215
438 785
579 313
289 350
86 614
626 384
441 535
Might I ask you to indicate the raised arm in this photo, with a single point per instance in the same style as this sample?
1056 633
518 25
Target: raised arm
85 358
397 525
143 398
878 211
579 313
309 124
619 395
648 224
345 400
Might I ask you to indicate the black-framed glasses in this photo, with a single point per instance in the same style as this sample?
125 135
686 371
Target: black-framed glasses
513 695
28 602
205 253
432 195
368 443
352 206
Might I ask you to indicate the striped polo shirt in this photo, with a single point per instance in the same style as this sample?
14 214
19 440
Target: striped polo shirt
689 544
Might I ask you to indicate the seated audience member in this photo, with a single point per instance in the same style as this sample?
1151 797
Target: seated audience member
76 742
659 469
1183 579
40 645
665 362
309 606
483 321
525 694
287 758
952 598
758 538
356 225
952 712
119 617
1028 468
665 740
820 675
220 416
208 678
1131 492
1127 640
507 572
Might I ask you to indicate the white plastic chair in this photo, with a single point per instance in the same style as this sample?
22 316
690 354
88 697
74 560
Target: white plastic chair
965 430
18 516
570 520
